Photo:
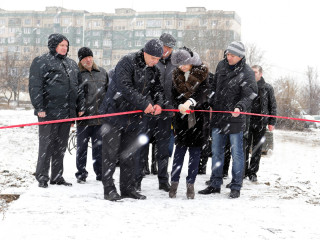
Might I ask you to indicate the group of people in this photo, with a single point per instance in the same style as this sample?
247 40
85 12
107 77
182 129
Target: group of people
149 91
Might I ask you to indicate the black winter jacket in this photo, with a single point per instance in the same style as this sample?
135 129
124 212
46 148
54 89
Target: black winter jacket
134 87
166 70
264 103
95 86
232 88
195 87
54 84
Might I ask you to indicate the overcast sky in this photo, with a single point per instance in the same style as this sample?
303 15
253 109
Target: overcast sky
287 30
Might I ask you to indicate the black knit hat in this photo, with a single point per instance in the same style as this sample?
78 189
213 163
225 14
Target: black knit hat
154 47
84 52
168 40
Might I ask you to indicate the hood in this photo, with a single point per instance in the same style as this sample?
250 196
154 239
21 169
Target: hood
54 40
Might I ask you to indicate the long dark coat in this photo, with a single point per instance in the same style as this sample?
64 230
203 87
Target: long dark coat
54 84
196 87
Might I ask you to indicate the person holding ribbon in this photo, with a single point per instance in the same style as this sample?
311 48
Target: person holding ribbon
190 91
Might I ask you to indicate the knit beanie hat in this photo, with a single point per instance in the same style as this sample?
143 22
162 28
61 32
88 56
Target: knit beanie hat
168 40
154 47
84 52
236 48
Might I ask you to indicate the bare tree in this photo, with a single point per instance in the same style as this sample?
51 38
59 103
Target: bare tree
13 76
311 92
286 92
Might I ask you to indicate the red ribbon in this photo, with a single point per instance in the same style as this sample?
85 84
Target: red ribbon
140 111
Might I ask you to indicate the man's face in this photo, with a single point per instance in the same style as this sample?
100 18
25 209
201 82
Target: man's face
233 59
151 60
257 74
166 51
62 48
87 62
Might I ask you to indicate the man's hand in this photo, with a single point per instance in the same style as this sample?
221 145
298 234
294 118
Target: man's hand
42 114
149 109
271 128
236 112
80 113
157 109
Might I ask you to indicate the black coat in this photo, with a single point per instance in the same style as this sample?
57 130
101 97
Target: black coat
232 88
264 103
195 87
166 70
133 87
95 86
54 84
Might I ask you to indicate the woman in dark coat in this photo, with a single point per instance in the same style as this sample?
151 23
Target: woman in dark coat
190 91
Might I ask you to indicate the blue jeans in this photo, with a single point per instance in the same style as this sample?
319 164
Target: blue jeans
171 143
218 143
194 153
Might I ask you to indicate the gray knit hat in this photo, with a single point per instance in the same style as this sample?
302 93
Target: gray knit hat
168 40
154 47
236 48
183 57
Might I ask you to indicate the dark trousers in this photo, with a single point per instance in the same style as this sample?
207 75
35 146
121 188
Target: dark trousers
255 136
53 142
123 145
84 133
160 130
194 158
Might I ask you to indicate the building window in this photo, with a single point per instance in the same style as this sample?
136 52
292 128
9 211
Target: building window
2 30
129 44
106 62
139 33
2 40
67 21
154 23
2 22
180 34
179 44
26 40
79 31
78 40
11 39
139 23
180 24
138 43
27 30
96 43
79 22
38 41
168 23
153 33
56 20
96 24
65 30
38 22
38 31
107 43
203 22
27 21
26 49
95 33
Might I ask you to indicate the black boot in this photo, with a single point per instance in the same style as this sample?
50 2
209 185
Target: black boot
133 194
146 169
61 182
164 186
154 169
209 190
43 184
234 193
112 196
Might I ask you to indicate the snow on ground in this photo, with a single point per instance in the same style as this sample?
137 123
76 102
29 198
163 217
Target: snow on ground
284 204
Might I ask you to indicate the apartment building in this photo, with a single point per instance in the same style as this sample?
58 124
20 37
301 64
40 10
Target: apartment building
24 34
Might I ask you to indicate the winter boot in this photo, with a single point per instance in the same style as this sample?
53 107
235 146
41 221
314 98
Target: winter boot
154 169
173 189
146 169
190 191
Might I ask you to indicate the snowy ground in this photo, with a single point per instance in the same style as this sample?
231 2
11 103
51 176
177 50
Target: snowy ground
284 204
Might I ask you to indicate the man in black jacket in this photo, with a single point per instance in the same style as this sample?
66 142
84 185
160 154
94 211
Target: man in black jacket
94 84
265 103
54 87
233 90
159 128
135 86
